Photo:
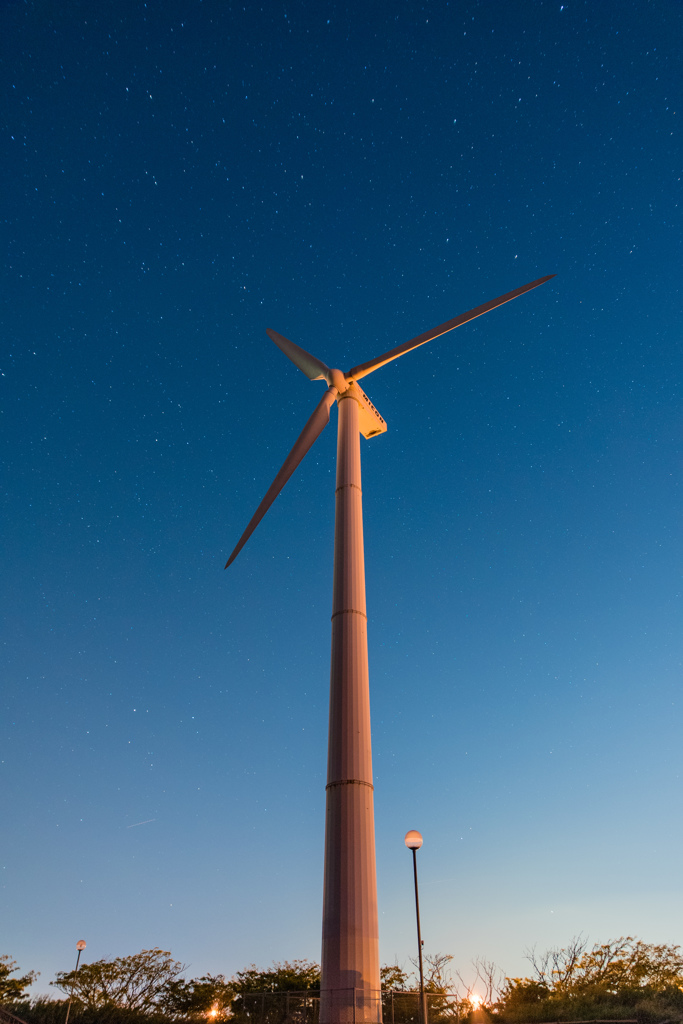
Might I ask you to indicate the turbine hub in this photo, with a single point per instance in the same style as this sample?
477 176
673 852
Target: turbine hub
337 380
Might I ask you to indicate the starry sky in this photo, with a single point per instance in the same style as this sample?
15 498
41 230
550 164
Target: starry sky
176 178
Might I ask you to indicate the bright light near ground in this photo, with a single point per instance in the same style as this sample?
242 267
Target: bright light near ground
476 1001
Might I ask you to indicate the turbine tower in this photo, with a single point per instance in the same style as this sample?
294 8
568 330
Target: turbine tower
350 981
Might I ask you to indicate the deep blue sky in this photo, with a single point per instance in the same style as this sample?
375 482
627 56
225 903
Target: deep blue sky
176 178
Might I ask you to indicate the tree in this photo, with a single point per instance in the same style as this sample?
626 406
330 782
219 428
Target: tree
209 996
620 964
441 1003
521 995
556 969
436 977
487 982
393 977
13 989
290 976
618 978
130 982
275 994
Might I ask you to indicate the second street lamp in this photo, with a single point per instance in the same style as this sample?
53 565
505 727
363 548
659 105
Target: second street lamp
80 946
413 841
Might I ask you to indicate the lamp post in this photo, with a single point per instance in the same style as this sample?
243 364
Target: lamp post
413 841
80 946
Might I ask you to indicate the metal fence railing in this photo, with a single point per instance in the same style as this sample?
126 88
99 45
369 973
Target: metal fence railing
9 1018
276 1007
397 1007
404 1008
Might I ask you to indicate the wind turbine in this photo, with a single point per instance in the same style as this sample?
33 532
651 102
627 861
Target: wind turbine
350 980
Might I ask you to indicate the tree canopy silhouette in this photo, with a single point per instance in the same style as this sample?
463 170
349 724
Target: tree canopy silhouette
129 982
12 989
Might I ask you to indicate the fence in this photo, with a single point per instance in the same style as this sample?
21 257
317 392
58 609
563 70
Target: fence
398 1007
9 1018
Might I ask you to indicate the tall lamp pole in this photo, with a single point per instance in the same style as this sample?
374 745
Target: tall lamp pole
413 841
80 946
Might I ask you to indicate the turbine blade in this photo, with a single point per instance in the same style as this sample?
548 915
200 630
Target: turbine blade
313 367
361 371
315 426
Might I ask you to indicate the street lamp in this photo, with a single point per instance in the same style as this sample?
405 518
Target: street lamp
413 841
80 946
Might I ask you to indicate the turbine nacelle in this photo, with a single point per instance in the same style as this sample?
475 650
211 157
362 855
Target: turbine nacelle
370 422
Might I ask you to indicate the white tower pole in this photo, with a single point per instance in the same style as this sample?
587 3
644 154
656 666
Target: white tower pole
350 982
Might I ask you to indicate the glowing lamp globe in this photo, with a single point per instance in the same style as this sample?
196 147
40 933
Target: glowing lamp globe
413 840
80 945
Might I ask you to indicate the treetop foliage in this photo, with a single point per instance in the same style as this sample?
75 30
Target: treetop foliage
128 982
623 963
12 989
640 977
209 996
392 976
290 976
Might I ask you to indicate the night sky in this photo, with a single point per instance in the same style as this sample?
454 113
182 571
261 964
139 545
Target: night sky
177 177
